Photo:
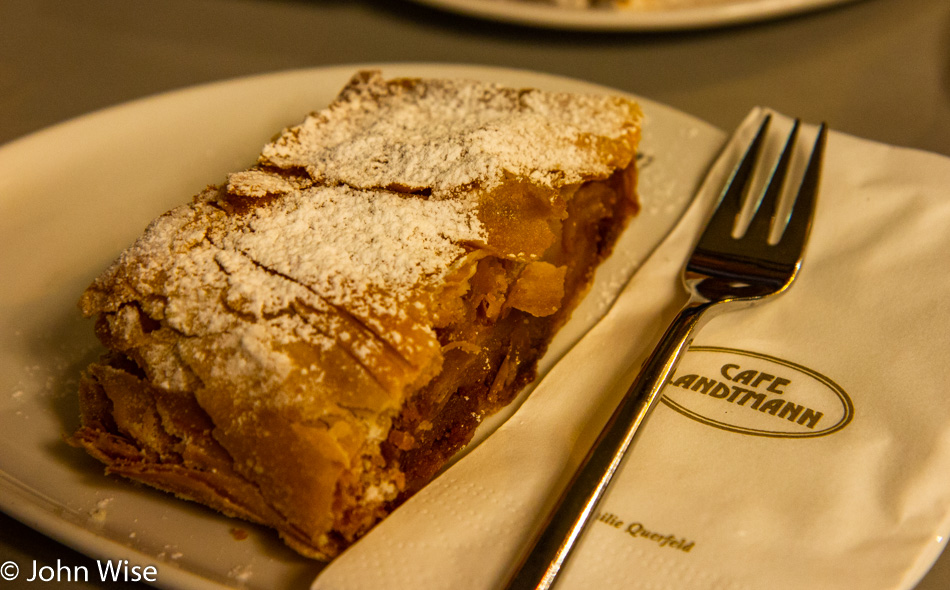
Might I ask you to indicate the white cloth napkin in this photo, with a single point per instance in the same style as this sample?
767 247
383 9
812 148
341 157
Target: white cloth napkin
716 500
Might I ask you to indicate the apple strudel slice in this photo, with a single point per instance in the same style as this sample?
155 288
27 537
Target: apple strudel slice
305 345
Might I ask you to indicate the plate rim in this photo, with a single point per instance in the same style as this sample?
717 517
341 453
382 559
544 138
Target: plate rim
530 13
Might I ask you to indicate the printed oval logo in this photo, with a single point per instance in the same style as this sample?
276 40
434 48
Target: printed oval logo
757 394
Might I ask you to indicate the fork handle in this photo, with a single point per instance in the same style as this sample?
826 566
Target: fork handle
541 564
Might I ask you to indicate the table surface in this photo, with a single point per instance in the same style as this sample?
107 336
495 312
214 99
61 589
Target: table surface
879 69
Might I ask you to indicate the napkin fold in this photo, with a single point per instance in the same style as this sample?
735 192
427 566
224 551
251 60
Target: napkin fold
822 464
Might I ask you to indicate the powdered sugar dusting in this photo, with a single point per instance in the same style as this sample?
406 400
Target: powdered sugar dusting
346 244
242 279
451 135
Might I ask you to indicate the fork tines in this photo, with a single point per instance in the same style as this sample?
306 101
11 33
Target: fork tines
792 228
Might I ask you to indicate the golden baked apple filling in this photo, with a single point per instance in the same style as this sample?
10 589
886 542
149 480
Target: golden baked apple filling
307 344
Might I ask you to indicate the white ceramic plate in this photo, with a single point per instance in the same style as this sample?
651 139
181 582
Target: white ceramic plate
73 196
687 14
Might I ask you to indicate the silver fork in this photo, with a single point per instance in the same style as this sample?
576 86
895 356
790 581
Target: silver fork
722 273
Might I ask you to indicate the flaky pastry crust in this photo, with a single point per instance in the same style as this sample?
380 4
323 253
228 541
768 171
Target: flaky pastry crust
305 345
